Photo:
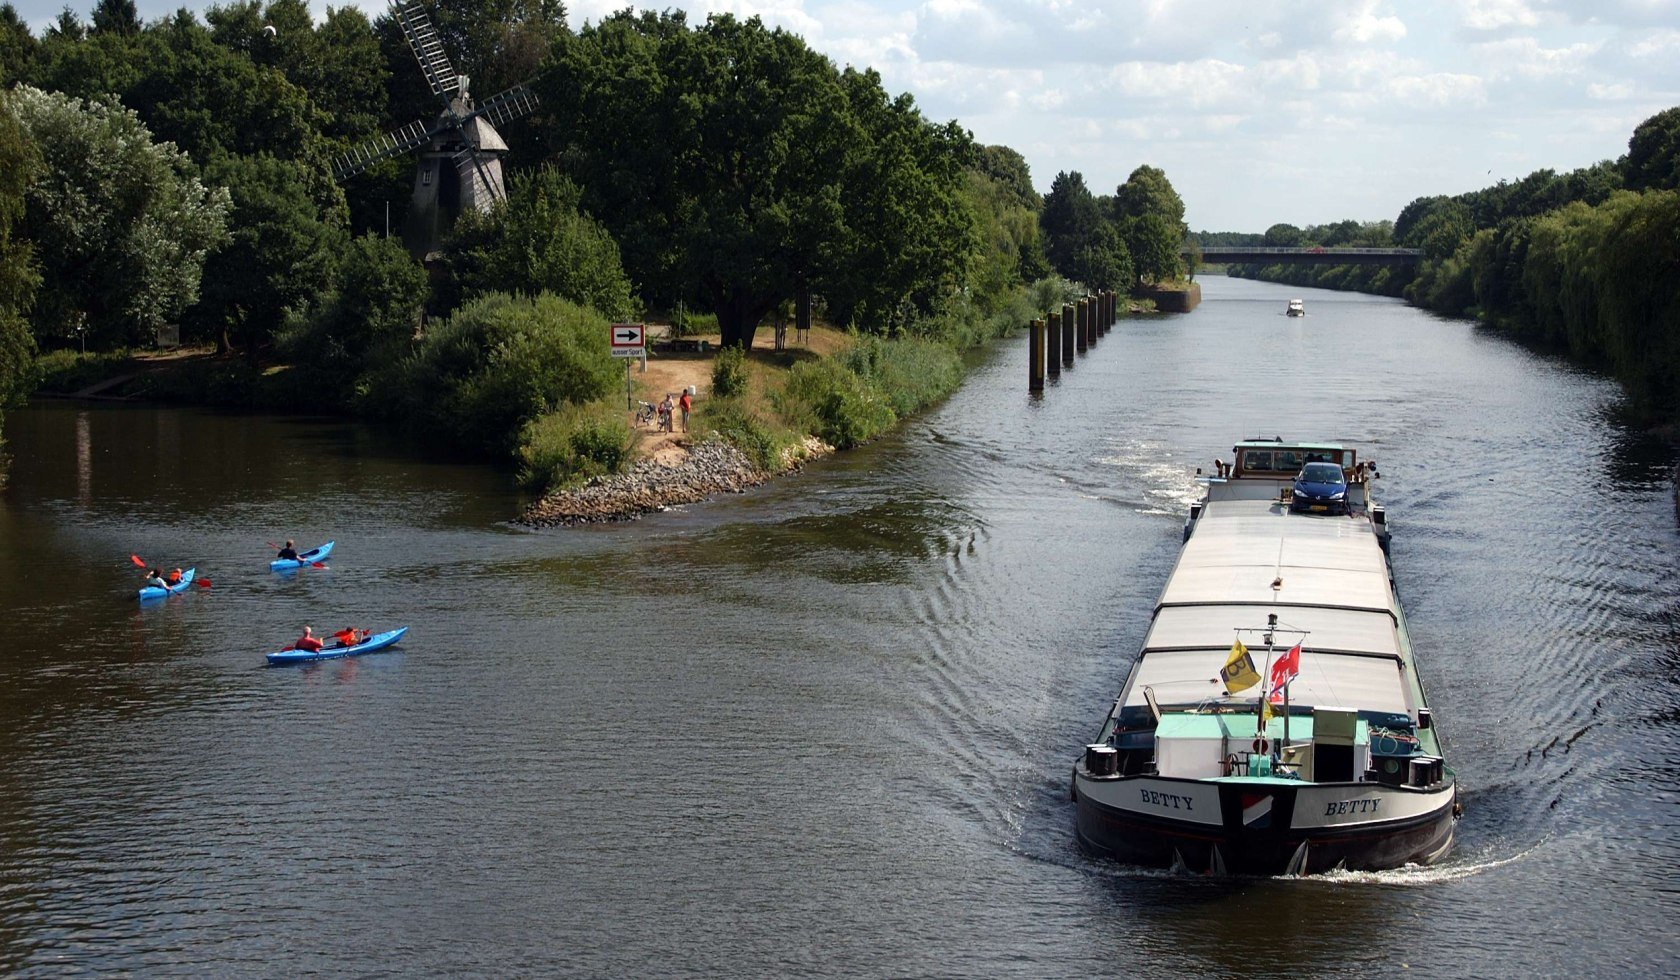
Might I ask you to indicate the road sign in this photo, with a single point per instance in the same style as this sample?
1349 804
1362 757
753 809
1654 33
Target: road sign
628 335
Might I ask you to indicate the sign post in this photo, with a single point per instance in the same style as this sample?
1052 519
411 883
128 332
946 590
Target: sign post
629 340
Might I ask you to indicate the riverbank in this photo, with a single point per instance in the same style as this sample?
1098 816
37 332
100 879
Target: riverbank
680 473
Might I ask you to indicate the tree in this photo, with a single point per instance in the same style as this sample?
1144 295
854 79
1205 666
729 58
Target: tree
735 164
367 321
279 255
1150 218
120 224
1653 157
18 278
539 241
17 48
116 17
1069 219
908 237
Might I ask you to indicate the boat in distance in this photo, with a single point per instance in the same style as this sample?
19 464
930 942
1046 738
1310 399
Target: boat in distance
1295 308
377 641
1274 721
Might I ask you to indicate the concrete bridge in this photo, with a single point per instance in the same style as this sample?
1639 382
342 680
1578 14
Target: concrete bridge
1315 255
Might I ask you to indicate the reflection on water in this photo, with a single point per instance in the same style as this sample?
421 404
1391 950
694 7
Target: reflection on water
841 708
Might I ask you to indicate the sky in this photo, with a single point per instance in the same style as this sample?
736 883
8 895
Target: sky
1259 111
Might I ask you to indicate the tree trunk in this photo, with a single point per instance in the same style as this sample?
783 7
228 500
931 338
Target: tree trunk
738 316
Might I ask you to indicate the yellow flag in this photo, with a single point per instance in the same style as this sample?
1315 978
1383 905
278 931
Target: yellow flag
1239 673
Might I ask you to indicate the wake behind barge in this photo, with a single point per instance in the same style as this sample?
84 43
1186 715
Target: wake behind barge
1345 769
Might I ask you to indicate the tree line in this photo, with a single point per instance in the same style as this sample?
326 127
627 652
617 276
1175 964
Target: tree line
178 173
1585 262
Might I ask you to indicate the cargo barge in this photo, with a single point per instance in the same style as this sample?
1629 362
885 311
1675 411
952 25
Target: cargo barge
1274 721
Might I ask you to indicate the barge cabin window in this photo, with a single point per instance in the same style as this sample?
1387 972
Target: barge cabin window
1278 461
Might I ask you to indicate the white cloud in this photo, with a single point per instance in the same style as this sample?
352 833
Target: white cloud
1362 25
1526 58
1495 15
1441 89
1617 92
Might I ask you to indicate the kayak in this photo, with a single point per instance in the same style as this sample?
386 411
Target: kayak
153 592
303 558
372 643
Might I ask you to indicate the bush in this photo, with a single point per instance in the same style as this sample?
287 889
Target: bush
729 372
686 324
763 442
574 443
498 363
844 409
65 371
911 373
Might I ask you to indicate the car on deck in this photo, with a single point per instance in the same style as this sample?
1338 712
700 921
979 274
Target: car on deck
1320 487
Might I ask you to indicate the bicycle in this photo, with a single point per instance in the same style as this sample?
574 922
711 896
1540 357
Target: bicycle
644 413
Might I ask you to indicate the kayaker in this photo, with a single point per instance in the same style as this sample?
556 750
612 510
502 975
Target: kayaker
155 581
307 641
175 577
288 553
349 636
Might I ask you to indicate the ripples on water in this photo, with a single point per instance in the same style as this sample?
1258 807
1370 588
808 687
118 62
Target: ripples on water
825 727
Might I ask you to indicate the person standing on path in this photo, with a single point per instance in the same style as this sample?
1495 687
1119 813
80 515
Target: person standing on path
685 403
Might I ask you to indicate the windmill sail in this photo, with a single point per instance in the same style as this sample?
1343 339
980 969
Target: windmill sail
427 46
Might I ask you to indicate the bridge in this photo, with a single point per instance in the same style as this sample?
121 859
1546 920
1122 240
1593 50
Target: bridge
1315 255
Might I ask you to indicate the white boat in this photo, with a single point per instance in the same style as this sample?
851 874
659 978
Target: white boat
1296 308
1347 770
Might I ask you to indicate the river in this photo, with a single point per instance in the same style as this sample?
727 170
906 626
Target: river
824 727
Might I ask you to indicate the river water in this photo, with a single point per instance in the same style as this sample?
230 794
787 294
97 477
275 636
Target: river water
824 727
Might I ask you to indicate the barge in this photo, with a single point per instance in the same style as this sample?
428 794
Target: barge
1274 721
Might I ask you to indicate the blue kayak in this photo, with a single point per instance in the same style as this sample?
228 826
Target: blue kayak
372 643
303 558
153 592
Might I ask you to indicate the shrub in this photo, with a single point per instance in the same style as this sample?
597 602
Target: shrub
498 363
686 323
729 372
66 371
574 443
911 373
845 408
764 442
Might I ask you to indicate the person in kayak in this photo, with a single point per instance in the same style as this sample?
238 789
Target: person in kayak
288 553
154 580
307 642
175 576
349 636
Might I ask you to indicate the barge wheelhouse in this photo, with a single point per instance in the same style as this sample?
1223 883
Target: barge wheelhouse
1274 721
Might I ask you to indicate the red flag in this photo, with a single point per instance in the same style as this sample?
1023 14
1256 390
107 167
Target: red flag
1284 670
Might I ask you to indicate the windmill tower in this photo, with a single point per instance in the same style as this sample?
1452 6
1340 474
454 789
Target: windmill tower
460 152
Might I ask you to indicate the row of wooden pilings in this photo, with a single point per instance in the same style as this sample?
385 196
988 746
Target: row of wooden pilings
1074 329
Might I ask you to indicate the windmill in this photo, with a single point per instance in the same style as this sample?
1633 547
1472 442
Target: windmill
460 152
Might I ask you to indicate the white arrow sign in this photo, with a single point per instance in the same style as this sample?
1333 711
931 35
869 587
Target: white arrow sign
628 335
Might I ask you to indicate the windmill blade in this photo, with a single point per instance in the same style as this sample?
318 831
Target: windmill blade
411 137
511 104
423 40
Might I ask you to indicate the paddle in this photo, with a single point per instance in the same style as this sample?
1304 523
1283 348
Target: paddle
136 560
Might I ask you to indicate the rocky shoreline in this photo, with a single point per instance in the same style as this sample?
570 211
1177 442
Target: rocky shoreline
651 485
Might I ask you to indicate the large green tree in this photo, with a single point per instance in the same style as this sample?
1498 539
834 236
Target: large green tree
17 47
280 255
538 241
1149 215
1653 157
121 224
736 166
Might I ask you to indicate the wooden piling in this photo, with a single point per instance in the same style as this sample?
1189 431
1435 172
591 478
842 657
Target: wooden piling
1083 315
1035 356
1053 348
1075 340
